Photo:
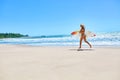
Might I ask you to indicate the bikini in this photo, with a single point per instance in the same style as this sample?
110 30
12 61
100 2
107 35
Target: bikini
82 34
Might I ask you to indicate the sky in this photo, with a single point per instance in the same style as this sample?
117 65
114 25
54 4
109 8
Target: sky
58 17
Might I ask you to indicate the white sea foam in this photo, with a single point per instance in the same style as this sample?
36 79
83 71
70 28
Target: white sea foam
104 39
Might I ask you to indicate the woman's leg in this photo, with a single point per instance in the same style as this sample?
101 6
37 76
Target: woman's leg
87 42
80 42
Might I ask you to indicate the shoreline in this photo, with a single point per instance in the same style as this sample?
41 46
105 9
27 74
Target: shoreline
84 46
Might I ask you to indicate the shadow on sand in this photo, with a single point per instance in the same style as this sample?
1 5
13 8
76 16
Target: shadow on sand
81 49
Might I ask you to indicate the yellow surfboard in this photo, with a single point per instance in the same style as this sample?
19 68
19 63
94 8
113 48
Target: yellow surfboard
87 33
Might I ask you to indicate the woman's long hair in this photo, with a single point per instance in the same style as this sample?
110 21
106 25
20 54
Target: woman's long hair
82 26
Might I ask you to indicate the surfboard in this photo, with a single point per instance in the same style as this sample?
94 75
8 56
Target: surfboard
87 33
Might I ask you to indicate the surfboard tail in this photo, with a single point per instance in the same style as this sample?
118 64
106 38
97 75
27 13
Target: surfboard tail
73 33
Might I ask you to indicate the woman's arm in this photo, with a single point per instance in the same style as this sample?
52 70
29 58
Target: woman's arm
82 31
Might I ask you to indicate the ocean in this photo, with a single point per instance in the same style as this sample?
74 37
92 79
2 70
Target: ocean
101 39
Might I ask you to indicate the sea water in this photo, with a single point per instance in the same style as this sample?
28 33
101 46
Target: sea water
101 39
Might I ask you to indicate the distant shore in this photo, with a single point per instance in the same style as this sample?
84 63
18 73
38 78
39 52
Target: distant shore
12 35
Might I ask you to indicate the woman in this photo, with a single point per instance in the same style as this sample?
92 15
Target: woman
83 36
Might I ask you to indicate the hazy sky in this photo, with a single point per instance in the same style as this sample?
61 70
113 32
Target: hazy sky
51 17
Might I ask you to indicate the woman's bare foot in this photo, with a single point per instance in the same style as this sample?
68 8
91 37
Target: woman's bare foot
90 46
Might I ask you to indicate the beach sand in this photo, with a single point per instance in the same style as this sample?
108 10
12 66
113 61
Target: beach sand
18 62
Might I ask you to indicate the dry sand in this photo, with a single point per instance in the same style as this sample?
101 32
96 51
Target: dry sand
59 63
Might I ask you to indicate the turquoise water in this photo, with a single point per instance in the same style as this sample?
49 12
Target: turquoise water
101 39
